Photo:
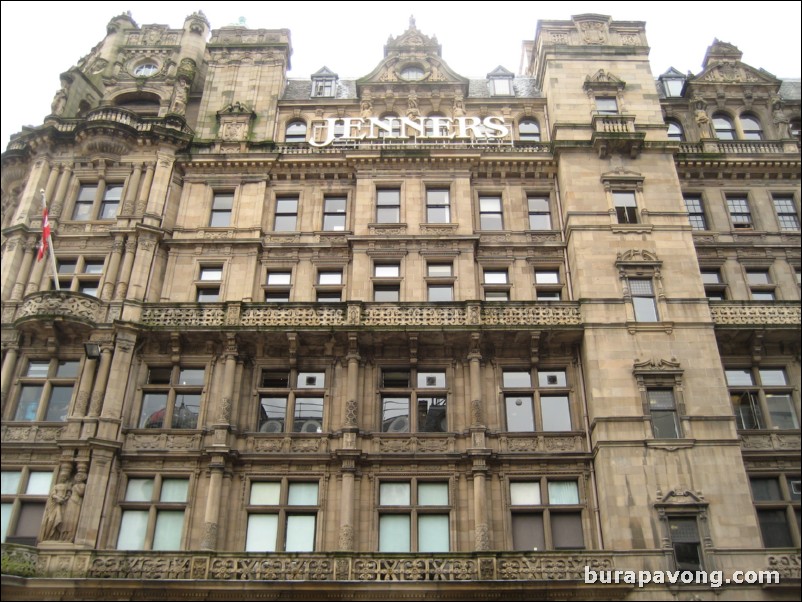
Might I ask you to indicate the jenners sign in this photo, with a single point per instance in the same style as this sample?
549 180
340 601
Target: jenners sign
491 128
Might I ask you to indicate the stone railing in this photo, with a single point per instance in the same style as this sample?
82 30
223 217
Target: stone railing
63 304
734 147
506 146
614 124
470 313
751 313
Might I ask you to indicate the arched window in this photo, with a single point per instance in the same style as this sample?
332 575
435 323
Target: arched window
674 131
529 130
751 128
412 73
723 127
296 132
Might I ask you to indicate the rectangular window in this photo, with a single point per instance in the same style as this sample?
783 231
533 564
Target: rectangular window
761 287
663 410
153 513
110 203
490 214
334 214
539 214
84 203
388 205
437 206
222 205
46 389
606 105
388 290
643 300
439 270
546 515
81 275
547 285
330 277
386 293
407 408
278 286
24 497
626 209
282 516
762 398
496 285
414 516
440 292
388 270
171 398
544 408
323 88
685 542
211 273
696 214
740 214
777 504
714 285
496 277
286 214
786 213
501 86
284 408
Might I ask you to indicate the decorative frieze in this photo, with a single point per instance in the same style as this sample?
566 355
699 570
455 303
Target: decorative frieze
64 304
163 441
754 314
771 440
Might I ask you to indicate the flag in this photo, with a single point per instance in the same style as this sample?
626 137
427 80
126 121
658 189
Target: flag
45 236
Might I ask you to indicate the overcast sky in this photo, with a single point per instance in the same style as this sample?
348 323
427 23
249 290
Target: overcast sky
40 40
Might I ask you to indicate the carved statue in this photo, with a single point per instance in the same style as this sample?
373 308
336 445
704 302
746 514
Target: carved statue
412 107
178 104
54 511
458 109
72 509
779 117
60 99
366 109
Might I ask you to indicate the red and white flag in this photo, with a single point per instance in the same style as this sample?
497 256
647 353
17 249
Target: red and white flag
45 236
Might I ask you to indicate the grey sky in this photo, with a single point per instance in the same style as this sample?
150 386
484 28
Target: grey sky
42 39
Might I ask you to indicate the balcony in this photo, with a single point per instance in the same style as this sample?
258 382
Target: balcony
616 134
63 305
739 147
751 314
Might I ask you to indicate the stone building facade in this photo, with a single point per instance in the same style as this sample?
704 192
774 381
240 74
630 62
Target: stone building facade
407 336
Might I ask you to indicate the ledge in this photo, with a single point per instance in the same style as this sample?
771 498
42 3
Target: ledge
751 313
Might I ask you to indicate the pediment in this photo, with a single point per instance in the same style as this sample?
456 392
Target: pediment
413 49
733 72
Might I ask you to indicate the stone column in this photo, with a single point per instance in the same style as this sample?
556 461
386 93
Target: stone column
144 191
108 396
143 261
85 388
130 192
35 281
349 452
57 204
481 529
99 390
475 358
346 539
110 277
6 377
125 272
211 524
159 186
24 271
227 400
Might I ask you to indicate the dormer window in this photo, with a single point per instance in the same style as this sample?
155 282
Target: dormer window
324 83
672 82
500 80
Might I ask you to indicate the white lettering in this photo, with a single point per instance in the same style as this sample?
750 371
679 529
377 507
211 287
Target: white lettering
473 126
349 123
495 124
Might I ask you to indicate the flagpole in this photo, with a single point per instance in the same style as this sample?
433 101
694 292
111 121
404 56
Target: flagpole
50 246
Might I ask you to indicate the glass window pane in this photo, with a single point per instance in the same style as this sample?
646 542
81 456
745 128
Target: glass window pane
334 205
285 223
764 490
387 271
300 533
439 270
525 494
37 369
566 531
547 277
59 403
395 378
174 490
169 525
272 412
433 533
386 294
775 529
154 408
433 494
308 415
5 519
311 380
67 369
330 278
262 533
394 494
279 278
555 412
739 378
39 483
395 414
388 197
211 274
333 223
28 402
191 376
664 425
563 492
133 526
265 494
139 490
223 202
527 532
645 309
286 206
748 414
388 215
394 533
551 378
516 379
432 379
160 376
496 296
441 293
520 416
495 277
29 521
490 204
771 378
432 415
10 482
186 410
302 494
781 410
491 221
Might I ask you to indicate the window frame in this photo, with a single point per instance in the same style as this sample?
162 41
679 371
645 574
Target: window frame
298 136
539 389
332 214
15 502
419 419
154 507
760 283
174 392
546 510
529 130
606 105
723 127
785 209
222 209
639 308
291 392
48 384
392 209
755 129
485 215
785 504
439 283
92 206
278 292
283 511
282 213
548 291
715 288
415 511
739 211
435 205
759 416
696 214
674 130
79 278
626 212
537 214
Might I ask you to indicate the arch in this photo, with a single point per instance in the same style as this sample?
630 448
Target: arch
146 104
675 130
529 130
750 127
723 126
295 131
